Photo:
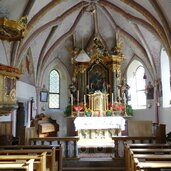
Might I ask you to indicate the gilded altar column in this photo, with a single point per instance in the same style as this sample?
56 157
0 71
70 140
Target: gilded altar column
116 76
82 66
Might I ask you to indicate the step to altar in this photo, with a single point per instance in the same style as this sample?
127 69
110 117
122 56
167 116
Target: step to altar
94 164
96 152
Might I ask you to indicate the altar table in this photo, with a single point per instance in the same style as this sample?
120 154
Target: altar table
100 123
99 127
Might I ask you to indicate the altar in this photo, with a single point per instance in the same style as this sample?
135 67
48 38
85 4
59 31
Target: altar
99 96
95 128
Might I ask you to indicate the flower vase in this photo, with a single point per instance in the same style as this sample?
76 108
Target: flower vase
88 114
108 113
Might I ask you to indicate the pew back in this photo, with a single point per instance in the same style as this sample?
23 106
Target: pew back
146 157
51 156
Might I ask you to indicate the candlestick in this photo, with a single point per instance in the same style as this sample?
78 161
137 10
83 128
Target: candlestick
77 97
112 99
71 99
84 99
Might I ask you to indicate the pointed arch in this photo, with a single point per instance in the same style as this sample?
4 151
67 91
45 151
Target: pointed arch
137 96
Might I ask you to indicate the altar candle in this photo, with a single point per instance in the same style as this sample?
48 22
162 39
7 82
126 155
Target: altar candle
84 99
112 99
71 99
77 97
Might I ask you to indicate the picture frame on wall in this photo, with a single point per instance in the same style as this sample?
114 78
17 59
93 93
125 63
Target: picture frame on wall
43 96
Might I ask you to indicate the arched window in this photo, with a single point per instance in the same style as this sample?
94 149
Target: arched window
165 77
137 96
54 89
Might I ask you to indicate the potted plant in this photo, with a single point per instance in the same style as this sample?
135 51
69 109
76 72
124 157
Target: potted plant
129 110
67 111
88 112
108 112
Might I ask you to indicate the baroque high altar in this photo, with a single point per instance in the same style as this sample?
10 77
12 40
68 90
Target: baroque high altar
99 94
97 88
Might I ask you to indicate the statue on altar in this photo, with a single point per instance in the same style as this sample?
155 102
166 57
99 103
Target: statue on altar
124 87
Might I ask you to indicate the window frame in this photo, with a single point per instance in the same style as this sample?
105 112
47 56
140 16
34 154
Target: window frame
132 74
50 93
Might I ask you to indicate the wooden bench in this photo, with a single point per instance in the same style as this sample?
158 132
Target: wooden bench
54 156
153 152
24 165
143 148
139 166
124 139
50 155
39 160
57 141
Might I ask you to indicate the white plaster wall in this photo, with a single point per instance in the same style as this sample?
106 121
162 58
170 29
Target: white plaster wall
165 118
25 92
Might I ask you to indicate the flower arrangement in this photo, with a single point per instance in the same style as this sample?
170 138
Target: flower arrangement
118 107
108 112
88 111
78 107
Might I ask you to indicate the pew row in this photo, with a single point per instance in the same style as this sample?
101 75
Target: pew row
146 157
24 165
53 153
39 160
144 149
63 141
124 139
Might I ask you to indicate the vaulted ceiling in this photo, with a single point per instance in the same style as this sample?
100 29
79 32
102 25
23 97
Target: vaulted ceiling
56 29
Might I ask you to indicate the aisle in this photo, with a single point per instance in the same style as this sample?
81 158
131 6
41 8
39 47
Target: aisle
96 148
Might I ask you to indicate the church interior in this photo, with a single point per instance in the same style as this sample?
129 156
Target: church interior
85 81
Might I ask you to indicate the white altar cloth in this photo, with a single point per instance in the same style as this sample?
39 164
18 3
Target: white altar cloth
99 122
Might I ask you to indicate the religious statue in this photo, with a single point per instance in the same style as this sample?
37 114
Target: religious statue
124 87
150 91
73 89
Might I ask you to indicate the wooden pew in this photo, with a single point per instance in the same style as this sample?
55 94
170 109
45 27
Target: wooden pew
53 160
143 148
50 156
156 152
59 140
28 165
158 145
124 139
147 158
139 166
39 160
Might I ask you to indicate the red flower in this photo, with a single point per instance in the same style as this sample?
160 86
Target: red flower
119 107
78 108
